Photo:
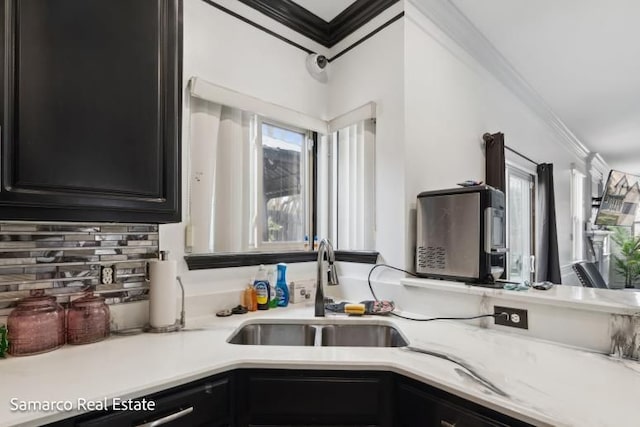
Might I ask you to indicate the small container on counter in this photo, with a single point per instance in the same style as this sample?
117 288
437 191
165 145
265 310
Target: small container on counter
36 325
87 320
250 299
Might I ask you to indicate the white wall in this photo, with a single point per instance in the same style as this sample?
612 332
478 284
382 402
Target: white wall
228 52
434 102
450 102
373 71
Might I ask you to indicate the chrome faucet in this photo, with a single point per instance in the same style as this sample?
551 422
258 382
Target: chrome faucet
332 277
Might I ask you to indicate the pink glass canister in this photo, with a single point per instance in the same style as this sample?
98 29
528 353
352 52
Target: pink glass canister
36 325
87 320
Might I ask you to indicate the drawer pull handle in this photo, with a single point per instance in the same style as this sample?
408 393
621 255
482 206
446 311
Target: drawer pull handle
168 418
444 423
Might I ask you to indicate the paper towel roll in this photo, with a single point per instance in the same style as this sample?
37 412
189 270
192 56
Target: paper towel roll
162 293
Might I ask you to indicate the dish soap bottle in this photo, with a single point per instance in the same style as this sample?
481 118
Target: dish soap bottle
261 285
282 291
273 299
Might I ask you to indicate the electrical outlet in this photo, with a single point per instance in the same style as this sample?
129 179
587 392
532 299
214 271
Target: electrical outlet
516 317
107 274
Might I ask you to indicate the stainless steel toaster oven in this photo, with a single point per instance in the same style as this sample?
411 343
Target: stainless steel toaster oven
461 234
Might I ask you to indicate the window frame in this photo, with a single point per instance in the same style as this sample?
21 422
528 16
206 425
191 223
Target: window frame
532 175
577 215
256 189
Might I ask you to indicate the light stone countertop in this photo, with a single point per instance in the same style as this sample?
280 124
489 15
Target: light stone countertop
544 383
614 301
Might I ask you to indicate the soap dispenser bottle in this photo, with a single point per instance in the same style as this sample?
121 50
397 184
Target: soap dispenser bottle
273 299
282 290
261 285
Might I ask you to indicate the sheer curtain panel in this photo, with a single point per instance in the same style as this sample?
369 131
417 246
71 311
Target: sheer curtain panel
220 141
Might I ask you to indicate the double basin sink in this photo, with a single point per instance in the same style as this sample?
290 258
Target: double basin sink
358 334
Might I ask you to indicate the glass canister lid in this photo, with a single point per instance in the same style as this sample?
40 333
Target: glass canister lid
89 300
38 302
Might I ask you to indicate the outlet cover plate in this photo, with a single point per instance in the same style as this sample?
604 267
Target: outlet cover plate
107 274
518 314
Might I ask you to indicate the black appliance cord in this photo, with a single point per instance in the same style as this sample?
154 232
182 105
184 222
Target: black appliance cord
420 320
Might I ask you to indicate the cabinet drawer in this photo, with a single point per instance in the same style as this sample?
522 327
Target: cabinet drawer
205 403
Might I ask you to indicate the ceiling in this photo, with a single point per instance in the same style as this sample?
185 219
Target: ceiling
325 9
582 57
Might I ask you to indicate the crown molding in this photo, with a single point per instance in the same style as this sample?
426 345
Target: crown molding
455 25
597 163
293 16
354 17
317 29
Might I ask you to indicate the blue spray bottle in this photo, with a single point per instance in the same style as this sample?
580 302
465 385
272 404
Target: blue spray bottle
282 290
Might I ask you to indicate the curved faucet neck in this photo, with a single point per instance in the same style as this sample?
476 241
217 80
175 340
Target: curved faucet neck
331 275
325 247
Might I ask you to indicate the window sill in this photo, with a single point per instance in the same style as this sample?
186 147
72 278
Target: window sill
243 259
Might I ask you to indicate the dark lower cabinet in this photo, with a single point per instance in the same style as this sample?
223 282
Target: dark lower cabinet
286 397
202 403
90 110
277 397
418 404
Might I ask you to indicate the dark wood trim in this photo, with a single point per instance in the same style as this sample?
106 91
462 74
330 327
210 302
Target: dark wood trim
362 257
243 259
368 36
309 25
354 17
293 16
314 191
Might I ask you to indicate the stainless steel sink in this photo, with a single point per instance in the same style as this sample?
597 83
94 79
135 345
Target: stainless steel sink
362 336
320 334
275 334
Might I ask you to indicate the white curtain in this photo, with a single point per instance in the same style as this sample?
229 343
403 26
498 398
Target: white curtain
220 140
347 159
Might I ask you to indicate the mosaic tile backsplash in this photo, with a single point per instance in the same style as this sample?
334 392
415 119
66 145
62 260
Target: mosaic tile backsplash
64 259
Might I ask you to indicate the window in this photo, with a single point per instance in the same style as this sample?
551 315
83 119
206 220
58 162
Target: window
520 224
346 158
577 215
250 186
257 183
280 189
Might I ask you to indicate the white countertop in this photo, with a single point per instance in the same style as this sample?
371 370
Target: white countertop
545 384
602 300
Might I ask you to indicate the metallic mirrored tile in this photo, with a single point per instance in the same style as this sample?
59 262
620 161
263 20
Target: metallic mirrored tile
18 227
113 229
113 257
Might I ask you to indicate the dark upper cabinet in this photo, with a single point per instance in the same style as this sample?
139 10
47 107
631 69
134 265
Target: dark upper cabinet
91 110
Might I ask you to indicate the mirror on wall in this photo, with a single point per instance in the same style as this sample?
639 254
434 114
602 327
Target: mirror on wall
270 181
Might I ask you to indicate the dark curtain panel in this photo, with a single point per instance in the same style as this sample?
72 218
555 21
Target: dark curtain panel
494 160
548 260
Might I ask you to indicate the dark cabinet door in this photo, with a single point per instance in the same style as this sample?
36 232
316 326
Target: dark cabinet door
201 403
287 397
418 404
91 110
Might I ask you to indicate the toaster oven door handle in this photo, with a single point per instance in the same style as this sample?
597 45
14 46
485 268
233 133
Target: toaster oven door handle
488 233
488 220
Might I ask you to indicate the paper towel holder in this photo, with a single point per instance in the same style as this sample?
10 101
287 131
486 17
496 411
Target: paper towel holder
179 324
